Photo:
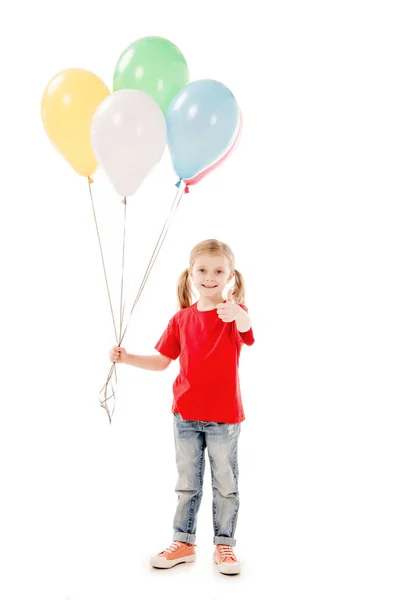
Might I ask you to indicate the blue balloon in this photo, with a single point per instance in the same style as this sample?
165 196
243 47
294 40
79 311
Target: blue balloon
202 124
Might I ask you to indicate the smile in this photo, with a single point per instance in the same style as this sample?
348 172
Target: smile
209 287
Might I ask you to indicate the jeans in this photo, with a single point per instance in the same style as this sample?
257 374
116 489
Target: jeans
221 440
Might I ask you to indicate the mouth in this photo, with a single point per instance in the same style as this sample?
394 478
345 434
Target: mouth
209 287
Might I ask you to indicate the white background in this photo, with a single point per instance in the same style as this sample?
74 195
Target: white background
309 203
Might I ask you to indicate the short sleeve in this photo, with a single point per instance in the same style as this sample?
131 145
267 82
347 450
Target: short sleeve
246 337
169 344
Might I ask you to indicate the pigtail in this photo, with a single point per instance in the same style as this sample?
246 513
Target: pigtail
184 290
239 288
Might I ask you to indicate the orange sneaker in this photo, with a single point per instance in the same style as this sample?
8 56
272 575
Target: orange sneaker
178 552
226 560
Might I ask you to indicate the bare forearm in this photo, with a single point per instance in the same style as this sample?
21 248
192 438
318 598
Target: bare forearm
151 363
243 321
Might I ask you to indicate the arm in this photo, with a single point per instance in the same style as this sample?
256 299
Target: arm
157 362
243 321
230 311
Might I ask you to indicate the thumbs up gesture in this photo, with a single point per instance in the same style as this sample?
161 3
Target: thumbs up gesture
228 311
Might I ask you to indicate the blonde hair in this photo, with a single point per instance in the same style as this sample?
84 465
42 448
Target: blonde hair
213 247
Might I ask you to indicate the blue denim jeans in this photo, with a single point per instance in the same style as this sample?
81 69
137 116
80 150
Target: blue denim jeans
221 440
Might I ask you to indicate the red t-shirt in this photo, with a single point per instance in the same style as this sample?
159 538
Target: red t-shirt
207 387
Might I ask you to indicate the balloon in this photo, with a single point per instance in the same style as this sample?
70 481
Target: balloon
68 105
202 174
203 124
155 66
129 136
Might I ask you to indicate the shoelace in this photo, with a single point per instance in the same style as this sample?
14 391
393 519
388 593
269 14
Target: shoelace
172 547
227 552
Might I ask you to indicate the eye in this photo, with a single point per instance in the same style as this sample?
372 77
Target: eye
219 272
201 270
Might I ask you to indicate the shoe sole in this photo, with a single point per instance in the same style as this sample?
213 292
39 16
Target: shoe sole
162 563
227 568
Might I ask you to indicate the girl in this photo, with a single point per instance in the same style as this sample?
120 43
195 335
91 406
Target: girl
208 336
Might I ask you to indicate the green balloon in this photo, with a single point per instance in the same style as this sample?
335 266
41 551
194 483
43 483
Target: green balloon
155 66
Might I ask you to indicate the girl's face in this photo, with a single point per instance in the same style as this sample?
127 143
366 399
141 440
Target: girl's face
210 274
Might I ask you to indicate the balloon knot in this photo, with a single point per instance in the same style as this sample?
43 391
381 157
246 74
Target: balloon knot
90 180
123 201
178 184
187 190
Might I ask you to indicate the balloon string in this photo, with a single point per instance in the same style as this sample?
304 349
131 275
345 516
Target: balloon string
122 275
90 181
157 249
105 389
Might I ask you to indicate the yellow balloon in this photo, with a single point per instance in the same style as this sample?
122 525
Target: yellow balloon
68 106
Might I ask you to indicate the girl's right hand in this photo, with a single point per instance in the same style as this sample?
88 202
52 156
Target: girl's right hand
118 355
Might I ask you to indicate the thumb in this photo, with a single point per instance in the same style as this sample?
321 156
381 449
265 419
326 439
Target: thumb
229 295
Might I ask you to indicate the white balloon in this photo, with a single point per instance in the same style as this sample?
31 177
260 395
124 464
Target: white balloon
128 136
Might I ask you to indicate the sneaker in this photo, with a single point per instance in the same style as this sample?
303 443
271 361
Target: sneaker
226 560
178 552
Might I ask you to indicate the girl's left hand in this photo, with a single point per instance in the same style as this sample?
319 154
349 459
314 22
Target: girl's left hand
228 311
